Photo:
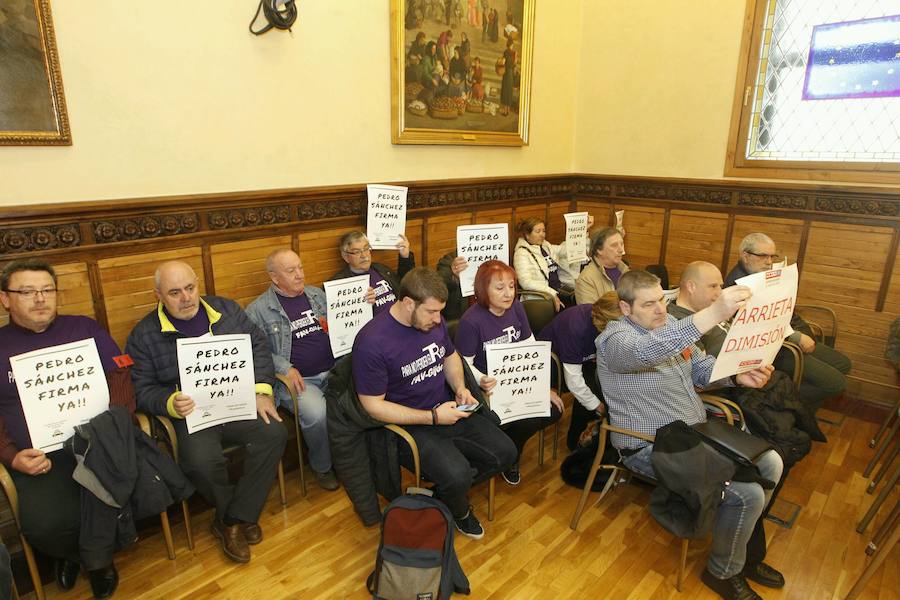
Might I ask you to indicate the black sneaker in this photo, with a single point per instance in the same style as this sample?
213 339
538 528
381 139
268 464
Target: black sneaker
733 588
512 475
470 525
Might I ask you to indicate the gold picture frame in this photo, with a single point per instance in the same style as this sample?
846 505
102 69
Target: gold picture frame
462 91
32 102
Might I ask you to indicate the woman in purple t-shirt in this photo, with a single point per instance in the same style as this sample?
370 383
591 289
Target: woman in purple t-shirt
497 318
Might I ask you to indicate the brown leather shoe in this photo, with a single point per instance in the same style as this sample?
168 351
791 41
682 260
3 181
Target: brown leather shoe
234 544
252 533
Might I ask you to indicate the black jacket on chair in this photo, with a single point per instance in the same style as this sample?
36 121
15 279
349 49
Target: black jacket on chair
132 479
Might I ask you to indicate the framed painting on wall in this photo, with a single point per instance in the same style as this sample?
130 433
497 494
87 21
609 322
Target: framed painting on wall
32 103
461 71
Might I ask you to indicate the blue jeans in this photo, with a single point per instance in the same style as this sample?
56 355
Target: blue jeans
736 517
313 421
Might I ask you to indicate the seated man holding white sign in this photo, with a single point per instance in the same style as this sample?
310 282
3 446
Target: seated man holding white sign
497 317
823 366
383 282
648 365
183 313
49 499
406 371
291 314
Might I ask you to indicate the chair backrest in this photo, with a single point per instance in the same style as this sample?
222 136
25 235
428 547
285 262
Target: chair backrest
662 272
539 312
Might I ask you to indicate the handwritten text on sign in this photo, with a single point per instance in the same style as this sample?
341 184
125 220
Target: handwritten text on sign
386 216
479 244
522 371
760 326
576 236
217 373
60 387
347 312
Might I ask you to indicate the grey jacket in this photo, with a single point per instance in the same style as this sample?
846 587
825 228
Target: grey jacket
268 314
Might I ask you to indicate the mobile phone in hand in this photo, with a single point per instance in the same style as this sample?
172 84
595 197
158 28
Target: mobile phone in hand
468 407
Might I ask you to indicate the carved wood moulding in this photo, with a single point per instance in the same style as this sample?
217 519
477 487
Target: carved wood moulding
56 227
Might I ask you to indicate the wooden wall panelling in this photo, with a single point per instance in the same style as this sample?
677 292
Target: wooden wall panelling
320 253
602 212
643 234
128 286
556 221
786 234
892 299
239 268
694 235
441 233
415 237
74 296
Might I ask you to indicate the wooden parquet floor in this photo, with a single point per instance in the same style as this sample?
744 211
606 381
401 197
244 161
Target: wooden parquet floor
317 548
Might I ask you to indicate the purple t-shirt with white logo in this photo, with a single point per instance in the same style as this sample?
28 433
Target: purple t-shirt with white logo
479 327
404 363
310 347
384 293
552 270
18 340
571 335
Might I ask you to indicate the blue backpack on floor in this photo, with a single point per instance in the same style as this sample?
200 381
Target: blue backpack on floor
416 559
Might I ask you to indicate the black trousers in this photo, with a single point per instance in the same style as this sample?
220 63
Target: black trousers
521 431
202 460
50 507
455 456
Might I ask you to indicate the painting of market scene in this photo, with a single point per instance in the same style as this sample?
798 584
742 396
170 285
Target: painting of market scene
463 64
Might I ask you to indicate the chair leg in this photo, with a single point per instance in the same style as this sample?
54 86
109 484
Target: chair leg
167 534
32 568
556 441
187 524
541 447
885 424
491 488
884 445
879 557
884 468
876 504
884 530
682 562
281 484
595 466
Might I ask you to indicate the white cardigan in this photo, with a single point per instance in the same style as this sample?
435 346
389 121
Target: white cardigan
531 266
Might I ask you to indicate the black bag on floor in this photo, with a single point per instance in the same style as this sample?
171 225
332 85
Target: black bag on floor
416 559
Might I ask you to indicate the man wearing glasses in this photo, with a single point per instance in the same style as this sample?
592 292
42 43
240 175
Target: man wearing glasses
49 499
383 282
823 366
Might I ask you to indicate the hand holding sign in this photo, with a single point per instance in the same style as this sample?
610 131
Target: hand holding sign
757 378
182 404
31 461
403 246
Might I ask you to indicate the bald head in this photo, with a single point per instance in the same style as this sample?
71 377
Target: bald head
178 289
286 271
701 284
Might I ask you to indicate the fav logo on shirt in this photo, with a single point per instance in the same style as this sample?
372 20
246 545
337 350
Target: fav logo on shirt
510 335
384 293
305 325
427 365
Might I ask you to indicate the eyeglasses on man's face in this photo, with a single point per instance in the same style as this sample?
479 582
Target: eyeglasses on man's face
764 256
359 251
29 293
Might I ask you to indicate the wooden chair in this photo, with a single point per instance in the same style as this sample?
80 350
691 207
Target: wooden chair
12 496
539 311
824 322
144 423
296 418
172 440
618 469
414 449
796 354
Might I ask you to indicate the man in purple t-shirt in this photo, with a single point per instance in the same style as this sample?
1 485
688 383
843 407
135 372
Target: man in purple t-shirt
49 499
292 314
383 282
406 371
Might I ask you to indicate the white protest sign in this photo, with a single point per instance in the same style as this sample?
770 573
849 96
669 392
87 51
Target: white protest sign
576 236
479 244
670 296
780 265
59 387
522 371
386 216
217 373
620 218
759 328
348 311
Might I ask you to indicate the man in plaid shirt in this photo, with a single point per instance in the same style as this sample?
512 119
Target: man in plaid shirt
648 366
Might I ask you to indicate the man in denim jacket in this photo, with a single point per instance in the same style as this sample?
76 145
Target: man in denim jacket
292 315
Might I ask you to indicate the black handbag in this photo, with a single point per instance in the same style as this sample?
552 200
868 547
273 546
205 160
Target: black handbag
731 441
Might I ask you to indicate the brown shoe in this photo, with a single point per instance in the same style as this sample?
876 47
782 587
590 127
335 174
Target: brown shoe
234 544
252 533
